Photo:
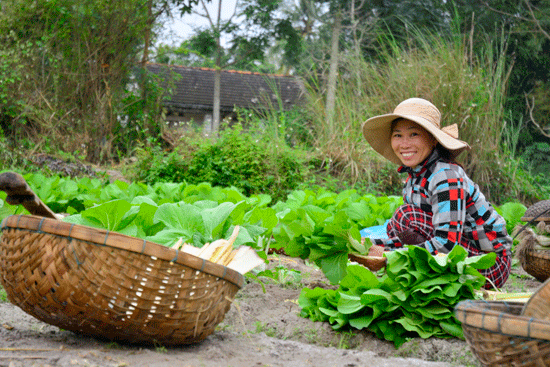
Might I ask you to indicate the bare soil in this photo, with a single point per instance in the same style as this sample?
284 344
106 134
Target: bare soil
261 329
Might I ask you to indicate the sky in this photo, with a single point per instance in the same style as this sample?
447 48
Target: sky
179 28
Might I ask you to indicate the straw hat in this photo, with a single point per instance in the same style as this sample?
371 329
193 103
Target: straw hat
377 130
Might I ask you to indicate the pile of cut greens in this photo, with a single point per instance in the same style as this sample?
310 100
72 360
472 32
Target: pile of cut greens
415 297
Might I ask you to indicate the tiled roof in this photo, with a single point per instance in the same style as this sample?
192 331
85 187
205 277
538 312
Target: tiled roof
194 90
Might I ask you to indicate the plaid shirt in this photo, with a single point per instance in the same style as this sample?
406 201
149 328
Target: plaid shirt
458 208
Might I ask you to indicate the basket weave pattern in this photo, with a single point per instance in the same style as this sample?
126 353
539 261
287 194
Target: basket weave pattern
534 259
537 263
109 285
498 335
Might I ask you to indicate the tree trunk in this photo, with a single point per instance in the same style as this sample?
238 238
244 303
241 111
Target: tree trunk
216 108
332 75
147 35
217 75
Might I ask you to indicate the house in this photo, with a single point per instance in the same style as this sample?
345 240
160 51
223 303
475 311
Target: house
193 92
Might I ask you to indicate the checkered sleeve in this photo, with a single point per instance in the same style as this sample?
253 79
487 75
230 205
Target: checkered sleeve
448 200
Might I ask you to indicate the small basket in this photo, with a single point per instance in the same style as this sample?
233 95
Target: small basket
498 335
112 286
534 260
373 263
537 264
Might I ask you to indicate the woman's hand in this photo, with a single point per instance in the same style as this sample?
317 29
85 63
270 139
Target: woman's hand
410 237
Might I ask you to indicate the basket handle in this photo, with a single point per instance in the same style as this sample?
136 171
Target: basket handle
20 193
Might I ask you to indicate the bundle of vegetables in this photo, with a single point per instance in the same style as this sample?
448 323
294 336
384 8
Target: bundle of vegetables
197 228
221 251
415 297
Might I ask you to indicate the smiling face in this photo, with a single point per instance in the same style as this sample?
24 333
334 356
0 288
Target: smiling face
411 142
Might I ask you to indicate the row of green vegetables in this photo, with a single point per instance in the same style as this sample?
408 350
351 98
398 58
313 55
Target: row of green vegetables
414 297
321 226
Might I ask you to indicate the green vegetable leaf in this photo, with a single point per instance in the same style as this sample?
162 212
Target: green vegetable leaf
481 262
349 303
357 276
334 266
215 218
181 218
109 214
452 328
512 213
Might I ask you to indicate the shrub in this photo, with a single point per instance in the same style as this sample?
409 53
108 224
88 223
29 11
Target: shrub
13 157
237 158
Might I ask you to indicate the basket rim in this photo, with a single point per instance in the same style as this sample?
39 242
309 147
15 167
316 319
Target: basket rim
373 263
539 253
536 219
501 322
103 237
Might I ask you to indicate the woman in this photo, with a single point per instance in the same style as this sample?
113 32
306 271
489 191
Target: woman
442 206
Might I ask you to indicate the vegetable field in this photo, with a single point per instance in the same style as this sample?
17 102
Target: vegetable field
414 297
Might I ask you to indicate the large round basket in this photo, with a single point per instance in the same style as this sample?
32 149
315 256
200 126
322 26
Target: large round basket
112 286
498 335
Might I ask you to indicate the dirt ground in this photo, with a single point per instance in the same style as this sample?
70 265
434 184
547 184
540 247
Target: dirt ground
261 329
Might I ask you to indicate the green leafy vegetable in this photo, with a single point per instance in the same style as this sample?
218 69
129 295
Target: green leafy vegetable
512 213
415 297
198 223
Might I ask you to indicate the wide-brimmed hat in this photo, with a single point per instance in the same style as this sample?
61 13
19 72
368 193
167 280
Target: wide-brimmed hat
377 130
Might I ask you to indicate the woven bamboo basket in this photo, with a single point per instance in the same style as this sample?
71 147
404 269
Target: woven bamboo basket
539 211
537 264
538 305
498 335
373 263
534 259
112 286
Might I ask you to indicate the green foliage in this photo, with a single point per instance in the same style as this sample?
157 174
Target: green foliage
236 158
324 227
14 157
512 213
537 156
64 68
415 297
282 275
3 295
204 44
197 224
140 112
12 61
156 165
245 44
73 195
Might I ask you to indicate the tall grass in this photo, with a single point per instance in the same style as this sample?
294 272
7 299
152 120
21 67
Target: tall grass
470 90
342 150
